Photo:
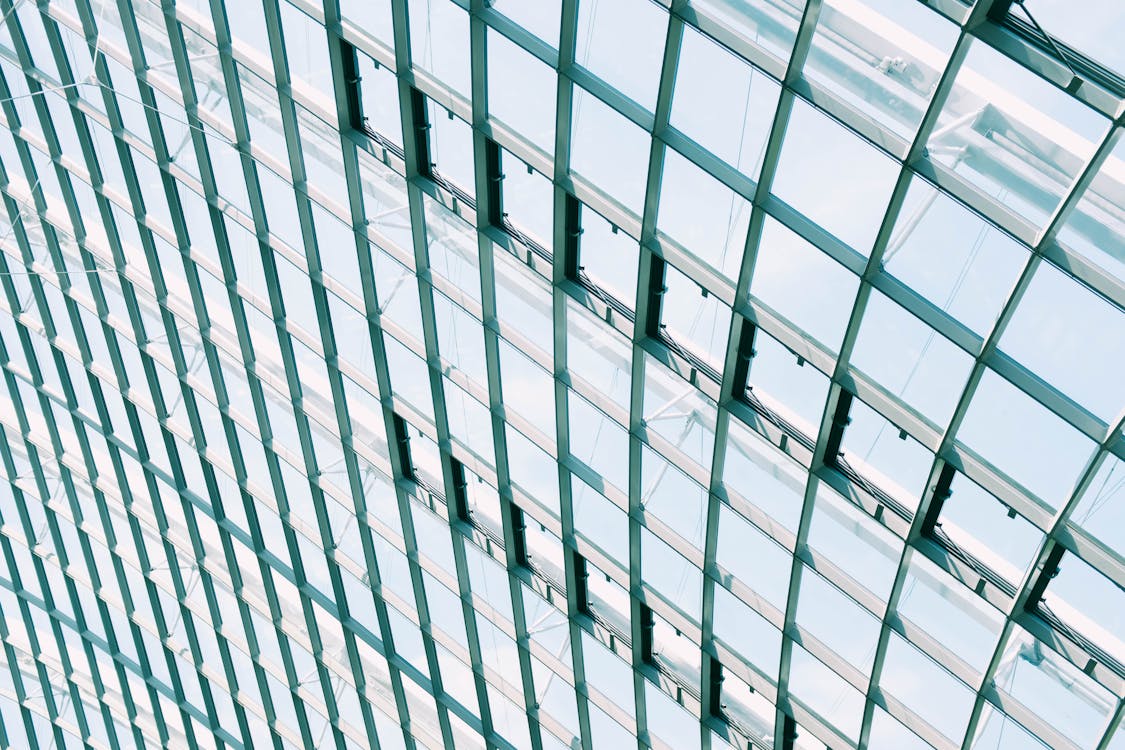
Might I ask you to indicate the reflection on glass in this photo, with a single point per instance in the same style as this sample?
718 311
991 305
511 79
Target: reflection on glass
1096 227
882 57
1012 135
1054 689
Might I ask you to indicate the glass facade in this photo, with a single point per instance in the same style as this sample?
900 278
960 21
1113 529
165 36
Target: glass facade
536 374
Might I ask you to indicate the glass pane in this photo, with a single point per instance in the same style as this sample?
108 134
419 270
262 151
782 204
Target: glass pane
833 177
763 475
752 558
1054 689
825 692
439 42
1024 440
851 540
1101 510
521 91
528 200
1000 113
609 257
949 612
1089 602
882 57
722 103
787 385
952 257
880 452
703 215
764 23
981 525
622 42
379 98
925 688
1090 32
694 319
540 18
1072 338
834 619
451 147
910 359
803 284
609 150
1096 227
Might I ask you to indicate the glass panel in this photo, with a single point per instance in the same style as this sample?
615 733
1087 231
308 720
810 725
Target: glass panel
949 612
953 257
599 442
372 16
925 688
671 575
609 257
887 456
910 359
1054 689
835 620
1024 440
679 413
451 146
1089 602
787 385
851 540
882 57
1072 338
671 496
600 521
747 709
622 42
1012 135
379 99
521 90
747 633
1101 510
694 319
599 355
886 731
764 23
752 558
1096 227
609 150
540 18
825 692
703 215
1090 32
803 284
998 732
722 103
981 525
762 474
528 201
439 42
833 177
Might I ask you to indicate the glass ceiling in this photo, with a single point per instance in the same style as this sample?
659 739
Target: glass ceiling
569 373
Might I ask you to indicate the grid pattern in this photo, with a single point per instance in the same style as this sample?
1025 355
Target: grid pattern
577 373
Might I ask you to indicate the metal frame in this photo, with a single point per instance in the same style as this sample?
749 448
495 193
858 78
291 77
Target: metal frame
146 365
